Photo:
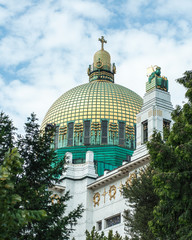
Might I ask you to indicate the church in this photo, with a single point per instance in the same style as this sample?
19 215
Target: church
101 129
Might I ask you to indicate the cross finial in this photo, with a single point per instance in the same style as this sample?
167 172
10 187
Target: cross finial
102 40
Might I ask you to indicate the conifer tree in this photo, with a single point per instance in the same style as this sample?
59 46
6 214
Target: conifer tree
140 200
13 215
173 182
94 235
7 133
41 171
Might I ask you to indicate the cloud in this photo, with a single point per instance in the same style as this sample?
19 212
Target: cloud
46 47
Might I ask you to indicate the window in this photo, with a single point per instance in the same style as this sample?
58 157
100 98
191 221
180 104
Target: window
166 124
70 134
145 131
104 124
166 128
99 226
121 133
86 132
56 138
109 222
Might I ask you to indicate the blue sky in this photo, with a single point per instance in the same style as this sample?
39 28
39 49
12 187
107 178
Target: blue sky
47 45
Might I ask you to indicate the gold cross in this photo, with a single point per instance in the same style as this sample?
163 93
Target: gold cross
104 194
102 40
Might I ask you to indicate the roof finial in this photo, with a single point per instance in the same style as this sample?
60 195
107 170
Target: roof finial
102 40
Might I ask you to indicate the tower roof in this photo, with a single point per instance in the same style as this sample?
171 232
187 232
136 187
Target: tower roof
101 69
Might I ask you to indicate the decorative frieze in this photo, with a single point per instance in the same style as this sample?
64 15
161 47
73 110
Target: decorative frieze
63 131
96 199
112 192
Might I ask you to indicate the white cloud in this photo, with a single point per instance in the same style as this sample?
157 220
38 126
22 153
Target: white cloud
175 9
47 46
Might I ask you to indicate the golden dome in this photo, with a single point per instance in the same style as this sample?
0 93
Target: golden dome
95 101
97 108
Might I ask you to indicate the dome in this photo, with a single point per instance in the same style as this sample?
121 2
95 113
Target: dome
95 101
98 116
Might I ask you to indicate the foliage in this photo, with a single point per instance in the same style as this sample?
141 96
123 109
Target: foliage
13 215
140 199
41 171
7 132
173 181
94 235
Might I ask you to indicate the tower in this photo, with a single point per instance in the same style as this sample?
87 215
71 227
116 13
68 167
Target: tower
156 111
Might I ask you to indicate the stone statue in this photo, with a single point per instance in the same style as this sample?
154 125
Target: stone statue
161 82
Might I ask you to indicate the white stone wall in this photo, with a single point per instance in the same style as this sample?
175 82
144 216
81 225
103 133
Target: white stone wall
156 107
109 205
76 179
79 180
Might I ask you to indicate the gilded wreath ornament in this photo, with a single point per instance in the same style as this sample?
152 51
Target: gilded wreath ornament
55 198
96 199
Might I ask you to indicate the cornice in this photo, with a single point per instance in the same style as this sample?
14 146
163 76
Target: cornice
119 172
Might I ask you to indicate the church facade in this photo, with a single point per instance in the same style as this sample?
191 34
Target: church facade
102 129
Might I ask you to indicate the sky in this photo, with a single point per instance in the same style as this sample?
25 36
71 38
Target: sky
46 47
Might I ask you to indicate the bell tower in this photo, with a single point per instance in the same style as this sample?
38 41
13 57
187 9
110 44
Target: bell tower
155 113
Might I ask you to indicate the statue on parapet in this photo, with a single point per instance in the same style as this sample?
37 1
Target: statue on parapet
154 74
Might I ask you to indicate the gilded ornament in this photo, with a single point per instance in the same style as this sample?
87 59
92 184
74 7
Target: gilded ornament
55 198
130 179
88 71
78 127
112 192
96 199
104 194
99 64
63 130
114 68
113 127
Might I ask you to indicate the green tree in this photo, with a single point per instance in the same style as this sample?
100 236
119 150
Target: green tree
13 214
173 181
140 199
7 133
94 235
41 171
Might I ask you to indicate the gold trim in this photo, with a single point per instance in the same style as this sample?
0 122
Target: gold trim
112 192
55 198
104 194
96 199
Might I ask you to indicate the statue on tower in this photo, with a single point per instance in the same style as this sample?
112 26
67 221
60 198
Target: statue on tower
155 80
